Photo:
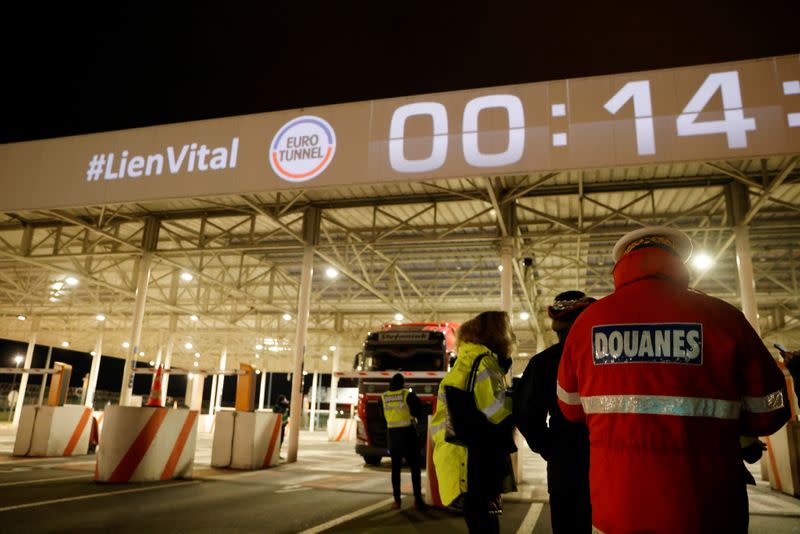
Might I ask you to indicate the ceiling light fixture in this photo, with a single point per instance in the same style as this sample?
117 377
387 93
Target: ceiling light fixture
187 276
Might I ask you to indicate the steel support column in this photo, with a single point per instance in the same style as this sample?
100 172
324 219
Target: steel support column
263 390
311 221
738 201
313 413
94 370
506 277
23 384
223 360
145 263
173 324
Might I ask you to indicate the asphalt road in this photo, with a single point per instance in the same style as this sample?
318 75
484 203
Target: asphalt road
329 489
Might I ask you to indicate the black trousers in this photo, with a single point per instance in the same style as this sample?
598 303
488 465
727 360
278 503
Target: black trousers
571 512
403 444
486 468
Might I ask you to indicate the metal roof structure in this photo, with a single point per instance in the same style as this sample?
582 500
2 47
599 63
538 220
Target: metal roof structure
428 250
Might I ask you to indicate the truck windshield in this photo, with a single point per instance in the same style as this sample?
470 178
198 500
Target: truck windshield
404 351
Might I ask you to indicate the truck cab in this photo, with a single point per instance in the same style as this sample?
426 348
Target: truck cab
422 353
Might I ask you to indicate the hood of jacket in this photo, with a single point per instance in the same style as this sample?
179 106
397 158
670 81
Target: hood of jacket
650 263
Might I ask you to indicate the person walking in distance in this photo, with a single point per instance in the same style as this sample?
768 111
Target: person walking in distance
401 407
481 469
282 407
667 379
564 445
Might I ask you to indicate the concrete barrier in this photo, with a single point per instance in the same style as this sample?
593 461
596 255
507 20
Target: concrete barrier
53 431
783 459
146 444
246 440
342 430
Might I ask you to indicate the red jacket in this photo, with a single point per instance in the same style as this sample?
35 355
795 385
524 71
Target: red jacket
667 379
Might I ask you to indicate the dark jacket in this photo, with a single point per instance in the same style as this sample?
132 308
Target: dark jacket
564 445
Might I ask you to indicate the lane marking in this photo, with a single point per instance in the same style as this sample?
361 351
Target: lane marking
23 482
343 519
530 518
96 495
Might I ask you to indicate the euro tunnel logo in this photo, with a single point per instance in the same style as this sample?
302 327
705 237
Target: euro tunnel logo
302 149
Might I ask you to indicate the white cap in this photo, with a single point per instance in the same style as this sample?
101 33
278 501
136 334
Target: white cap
683 245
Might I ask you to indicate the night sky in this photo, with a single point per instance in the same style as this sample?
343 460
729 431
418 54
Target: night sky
80 67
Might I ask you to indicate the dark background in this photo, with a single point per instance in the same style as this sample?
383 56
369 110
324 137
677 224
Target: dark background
75 67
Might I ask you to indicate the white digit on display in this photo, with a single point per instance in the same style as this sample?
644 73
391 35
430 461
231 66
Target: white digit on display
734 125
397 157
639 91
516 131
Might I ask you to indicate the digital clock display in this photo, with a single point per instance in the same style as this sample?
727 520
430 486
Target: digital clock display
733 110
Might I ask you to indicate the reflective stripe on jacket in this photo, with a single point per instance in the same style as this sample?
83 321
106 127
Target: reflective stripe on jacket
395 408
490 398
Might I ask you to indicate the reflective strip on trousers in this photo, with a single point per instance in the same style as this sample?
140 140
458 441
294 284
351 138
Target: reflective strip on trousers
767 403
661 405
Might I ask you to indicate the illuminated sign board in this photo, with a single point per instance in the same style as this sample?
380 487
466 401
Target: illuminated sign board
735 110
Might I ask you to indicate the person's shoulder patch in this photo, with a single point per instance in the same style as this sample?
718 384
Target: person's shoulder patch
648 343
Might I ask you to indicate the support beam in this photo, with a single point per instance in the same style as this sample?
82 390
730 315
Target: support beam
738 201
145 264
223 361
313 413
94 370
23 384
311 222
263 390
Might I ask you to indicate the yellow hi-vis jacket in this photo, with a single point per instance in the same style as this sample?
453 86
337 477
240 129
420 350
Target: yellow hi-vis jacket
395 408
490 397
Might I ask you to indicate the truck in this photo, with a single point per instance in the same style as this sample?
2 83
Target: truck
423 353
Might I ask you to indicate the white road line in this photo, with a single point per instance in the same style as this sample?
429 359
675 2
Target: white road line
530 518
23 482
96 495
345 518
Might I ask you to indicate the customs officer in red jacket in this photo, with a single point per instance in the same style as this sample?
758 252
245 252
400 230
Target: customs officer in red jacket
666 379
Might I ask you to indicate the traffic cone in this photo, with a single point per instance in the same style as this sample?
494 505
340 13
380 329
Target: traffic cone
155 391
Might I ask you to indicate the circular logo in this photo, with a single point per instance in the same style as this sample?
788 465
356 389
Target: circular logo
302 149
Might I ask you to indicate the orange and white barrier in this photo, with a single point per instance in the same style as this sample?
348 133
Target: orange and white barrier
782 459
145 444
342 430
246 440
430 481
53 431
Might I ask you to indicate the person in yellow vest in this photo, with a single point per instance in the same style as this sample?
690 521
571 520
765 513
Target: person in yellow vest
400 408
480 471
